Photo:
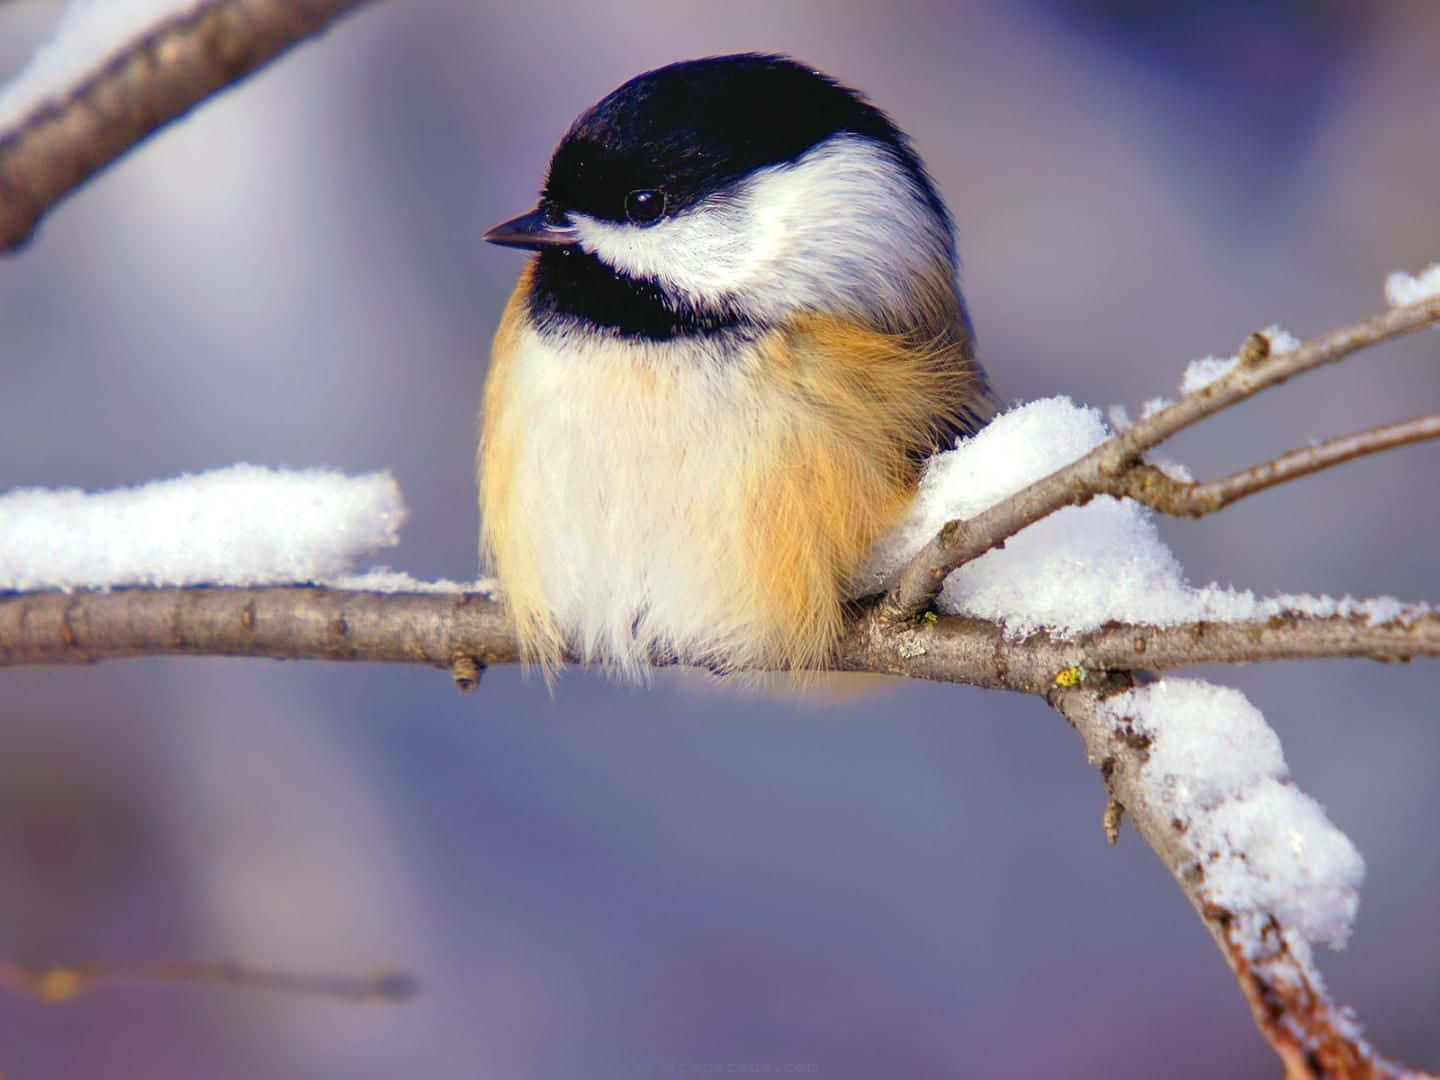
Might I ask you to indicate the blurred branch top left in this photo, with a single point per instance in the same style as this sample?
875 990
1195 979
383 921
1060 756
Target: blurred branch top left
167 68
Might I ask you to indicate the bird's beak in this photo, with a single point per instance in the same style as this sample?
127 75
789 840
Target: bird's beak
535 230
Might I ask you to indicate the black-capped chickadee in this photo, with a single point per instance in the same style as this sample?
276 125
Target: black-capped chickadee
716 383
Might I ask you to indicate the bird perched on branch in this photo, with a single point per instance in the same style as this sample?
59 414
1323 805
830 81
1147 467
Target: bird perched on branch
716 382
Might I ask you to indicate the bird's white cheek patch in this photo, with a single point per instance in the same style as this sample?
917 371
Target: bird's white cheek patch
711 251
842 229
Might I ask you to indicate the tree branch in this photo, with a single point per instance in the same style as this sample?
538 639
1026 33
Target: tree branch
296 623
1179 498
977 653
1102 468
437 629
156 79
1287 1000
464 632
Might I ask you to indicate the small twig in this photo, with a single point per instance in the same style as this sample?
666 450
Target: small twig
1079 482
58 985
157 78
1111 821
465 672
1149 485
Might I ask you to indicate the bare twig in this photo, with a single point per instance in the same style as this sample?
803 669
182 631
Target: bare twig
57 985
158 78
1147 484
1079 482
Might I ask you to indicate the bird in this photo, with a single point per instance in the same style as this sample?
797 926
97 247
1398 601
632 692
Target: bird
739 337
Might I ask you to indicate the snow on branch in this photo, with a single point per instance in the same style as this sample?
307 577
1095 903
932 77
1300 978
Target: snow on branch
1254 839
1096 562
1104 469
1207 822
244 525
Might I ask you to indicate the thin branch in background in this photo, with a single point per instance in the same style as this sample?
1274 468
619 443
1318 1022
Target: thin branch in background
156 79
1179 498
60 985
1077 483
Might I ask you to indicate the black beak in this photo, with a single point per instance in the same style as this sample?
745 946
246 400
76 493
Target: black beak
535 230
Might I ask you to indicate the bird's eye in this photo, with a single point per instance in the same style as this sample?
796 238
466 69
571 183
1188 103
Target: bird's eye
644 206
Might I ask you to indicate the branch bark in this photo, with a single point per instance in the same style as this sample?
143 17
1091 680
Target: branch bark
299 623
155 80
439 629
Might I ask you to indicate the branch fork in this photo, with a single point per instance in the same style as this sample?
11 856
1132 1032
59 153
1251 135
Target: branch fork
1116 466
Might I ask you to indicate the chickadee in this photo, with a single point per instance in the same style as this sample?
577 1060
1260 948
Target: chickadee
715 385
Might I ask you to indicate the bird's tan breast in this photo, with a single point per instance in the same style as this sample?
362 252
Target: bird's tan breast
645 501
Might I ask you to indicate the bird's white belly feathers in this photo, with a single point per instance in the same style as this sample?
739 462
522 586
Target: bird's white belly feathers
627 486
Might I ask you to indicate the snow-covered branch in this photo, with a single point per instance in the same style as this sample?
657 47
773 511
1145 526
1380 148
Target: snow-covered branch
1210 826
1110 468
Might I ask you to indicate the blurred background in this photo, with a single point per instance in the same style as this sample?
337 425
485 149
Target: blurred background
615 881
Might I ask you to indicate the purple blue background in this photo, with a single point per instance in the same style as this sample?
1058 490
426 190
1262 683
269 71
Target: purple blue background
619 882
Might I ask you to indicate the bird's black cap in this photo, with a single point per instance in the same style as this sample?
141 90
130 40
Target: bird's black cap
693 128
